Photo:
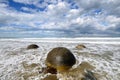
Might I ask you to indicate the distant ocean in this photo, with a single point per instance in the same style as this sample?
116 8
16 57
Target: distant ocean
68 40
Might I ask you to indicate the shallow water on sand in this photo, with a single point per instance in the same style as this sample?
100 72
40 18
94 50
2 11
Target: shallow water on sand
18 63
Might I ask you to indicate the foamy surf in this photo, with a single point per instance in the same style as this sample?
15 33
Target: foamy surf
18 63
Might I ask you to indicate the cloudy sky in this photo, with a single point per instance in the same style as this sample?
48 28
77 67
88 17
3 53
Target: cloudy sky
59 18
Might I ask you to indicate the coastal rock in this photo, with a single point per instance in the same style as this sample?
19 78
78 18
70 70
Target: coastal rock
32 46
51 77
80 46
60 58
48 70
89 76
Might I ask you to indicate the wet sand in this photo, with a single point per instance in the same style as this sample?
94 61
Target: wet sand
18 63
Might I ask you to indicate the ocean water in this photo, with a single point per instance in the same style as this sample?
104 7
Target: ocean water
18 63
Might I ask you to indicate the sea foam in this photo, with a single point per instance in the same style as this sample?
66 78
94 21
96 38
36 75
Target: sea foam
18 63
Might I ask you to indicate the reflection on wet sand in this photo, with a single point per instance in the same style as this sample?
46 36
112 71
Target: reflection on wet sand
51 77
77 73
82 72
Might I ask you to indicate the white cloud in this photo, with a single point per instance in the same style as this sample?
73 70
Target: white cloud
6 28
27 1
30 10
60 16
58 10
113 19
110 7
73 13
5 1
3 5
37 3
10 28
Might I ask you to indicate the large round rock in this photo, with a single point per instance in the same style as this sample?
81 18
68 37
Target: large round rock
32 46
60 58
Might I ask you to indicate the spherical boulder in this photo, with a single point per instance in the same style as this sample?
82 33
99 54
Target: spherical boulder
32 46
80 46
60 58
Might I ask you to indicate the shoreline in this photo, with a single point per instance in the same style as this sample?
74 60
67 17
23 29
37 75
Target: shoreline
68 40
